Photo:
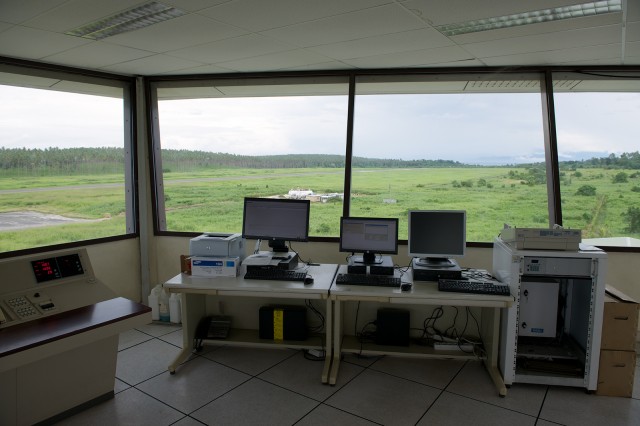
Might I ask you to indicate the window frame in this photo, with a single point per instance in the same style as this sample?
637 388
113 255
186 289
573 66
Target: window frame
544 73
128 86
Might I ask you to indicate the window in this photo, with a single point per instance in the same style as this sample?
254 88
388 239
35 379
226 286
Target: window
218 142
471 143
597 131
65 159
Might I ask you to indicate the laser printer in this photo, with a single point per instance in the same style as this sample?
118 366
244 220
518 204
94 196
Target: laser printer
217 245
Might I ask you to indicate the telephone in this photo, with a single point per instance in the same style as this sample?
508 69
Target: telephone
212 327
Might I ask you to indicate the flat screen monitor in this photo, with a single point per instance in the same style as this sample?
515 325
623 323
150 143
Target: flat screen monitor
369 236
277 220
435 236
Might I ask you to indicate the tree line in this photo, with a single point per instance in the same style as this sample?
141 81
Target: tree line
108 160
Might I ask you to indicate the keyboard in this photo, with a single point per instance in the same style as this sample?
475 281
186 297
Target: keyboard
372 280
274 275
472 286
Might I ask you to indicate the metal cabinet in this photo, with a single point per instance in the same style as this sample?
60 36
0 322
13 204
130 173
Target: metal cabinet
551 334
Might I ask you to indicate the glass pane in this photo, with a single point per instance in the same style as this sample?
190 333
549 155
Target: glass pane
62 162
451 145
597 129
284 140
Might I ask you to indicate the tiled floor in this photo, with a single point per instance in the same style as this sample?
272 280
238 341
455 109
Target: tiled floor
246 386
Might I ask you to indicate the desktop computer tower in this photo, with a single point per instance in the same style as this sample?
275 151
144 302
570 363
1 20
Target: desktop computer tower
425 273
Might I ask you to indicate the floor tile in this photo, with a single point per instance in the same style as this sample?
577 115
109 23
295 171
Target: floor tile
131 338
157 329
120 386
194 385
256 402
187 421
474 382
249 360
130 407
324 415
384 399
432 372
143 361
454 410
572 406
175 338
304 376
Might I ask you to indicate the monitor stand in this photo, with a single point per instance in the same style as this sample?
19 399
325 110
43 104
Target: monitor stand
367 259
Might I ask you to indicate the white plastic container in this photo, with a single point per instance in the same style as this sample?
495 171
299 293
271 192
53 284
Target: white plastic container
163 306
154 302
175 308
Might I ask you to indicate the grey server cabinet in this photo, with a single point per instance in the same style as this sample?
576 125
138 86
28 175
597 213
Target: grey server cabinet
551 334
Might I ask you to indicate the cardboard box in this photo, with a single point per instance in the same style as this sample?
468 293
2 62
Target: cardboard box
619 322
615 373
215 266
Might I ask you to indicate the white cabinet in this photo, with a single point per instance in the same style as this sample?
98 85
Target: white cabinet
551 334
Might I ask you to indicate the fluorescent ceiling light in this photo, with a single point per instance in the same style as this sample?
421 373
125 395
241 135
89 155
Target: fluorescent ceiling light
128 20
535 17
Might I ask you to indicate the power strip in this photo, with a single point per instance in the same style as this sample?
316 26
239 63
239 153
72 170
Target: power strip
453 347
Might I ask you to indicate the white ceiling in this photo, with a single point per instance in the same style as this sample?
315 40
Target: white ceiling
222 36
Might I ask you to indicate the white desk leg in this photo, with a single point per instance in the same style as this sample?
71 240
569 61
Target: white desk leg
193 310
337 341
328 330
490 329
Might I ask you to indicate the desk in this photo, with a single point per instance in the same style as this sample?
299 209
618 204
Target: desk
421 293
196 289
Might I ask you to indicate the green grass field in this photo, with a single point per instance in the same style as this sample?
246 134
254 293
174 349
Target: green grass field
211 200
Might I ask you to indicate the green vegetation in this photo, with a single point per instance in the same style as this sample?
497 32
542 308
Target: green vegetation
203 196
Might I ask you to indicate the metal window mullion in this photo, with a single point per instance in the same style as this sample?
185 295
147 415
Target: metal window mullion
554 203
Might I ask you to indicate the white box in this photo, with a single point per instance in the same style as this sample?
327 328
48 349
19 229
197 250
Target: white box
202 266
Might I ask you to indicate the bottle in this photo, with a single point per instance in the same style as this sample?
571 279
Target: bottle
175 308
163 306
153 301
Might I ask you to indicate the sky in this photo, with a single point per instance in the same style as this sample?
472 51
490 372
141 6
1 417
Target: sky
483 129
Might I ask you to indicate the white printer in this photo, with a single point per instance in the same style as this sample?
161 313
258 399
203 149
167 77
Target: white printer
217 245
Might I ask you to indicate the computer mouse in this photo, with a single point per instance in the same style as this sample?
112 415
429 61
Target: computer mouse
405 286
308 280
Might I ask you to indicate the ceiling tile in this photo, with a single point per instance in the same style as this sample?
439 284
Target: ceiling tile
195 5
276 61
232 49
29 43
18 11
542 42
151 65
200 69
176 33
264 15
383 44
413 58
633 31
97 55
349 26
610 53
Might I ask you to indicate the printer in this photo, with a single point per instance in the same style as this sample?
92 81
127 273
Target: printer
217 245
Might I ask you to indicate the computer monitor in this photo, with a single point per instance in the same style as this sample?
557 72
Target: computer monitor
277 220
369 236
435 236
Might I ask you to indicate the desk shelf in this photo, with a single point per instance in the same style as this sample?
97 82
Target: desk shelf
250 338
351 344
